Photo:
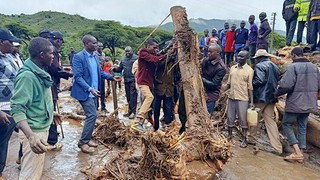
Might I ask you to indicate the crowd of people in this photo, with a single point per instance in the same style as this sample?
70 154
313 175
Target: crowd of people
29 89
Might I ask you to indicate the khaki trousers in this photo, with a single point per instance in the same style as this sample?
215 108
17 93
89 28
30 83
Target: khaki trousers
31 163
147 98
267 112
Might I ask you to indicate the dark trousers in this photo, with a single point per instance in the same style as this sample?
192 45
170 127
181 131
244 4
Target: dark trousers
210 107
5 134
102 95
167 109
53 130
301 26
89 107
182 112
315 29
263 46
252 51
222 54
131 95
229 57
290 29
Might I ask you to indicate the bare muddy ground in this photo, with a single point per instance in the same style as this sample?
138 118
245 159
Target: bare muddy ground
67 163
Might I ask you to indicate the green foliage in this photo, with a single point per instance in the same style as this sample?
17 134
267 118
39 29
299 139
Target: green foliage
112 34
278 41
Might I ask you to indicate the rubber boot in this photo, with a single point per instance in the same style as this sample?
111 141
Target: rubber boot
244 142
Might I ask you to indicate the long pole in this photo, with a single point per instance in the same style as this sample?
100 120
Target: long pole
273 18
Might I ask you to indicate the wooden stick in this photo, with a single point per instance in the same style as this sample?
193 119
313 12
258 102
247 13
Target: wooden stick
114 96
58 110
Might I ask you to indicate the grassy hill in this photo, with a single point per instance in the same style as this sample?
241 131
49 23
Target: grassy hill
74 26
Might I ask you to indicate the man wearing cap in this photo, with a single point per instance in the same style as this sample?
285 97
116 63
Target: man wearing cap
16 54
263 32
265 81
85 88
56 72
9 70
102 60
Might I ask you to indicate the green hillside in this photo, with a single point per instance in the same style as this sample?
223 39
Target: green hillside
112 34
73 27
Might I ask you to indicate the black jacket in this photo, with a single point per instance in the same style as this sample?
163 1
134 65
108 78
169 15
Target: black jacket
301 83
288 13
213 72
314 9
126 66
265 81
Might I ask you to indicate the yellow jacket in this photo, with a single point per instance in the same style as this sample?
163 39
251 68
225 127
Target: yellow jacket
302 6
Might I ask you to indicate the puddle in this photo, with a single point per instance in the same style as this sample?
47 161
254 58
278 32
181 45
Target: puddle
67 163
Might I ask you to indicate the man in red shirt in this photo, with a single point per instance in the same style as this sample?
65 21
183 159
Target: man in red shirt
229 48
147 63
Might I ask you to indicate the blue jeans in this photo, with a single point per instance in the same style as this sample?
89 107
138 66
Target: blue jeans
290 28
167 109
210 107
5 134
301 119
315 29
89 106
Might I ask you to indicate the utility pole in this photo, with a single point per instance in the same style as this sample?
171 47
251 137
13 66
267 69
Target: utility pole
273 19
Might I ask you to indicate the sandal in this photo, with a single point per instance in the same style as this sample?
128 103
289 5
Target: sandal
294 158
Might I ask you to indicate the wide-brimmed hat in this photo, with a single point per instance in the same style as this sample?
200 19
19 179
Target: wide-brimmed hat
264 53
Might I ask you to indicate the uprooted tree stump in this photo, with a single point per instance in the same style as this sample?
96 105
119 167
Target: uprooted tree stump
205 141
164 155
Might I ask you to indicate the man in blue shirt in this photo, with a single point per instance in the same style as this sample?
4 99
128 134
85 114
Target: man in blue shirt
203 42
86 86
240 38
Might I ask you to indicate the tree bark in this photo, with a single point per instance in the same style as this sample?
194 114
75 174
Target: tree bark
189 64
206 142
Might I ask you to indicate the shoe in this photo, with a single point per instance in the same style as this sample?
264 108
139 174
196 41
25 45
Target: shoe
294 158
132 116
85 148
138 127
151 121
92 144
251 142
104 110
126 115
244 144
55 147
18 161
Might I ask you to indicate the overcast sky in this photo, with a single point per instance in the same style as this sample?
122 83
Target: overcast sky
148 12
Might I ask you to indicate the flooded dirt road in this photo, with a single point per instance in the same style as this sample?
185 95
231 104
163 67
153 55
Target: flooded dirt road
67 163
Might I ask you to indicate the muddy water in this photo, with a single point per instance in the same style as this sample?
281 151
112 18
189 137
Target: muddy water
67 163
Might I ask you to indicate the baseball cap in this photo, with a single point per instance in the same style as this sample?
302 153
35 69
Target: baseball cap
45 34
15 44
56 35
7 35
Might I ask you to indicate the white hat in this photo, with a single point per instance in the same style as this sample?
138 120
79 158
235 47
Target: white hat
16 44
263 52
